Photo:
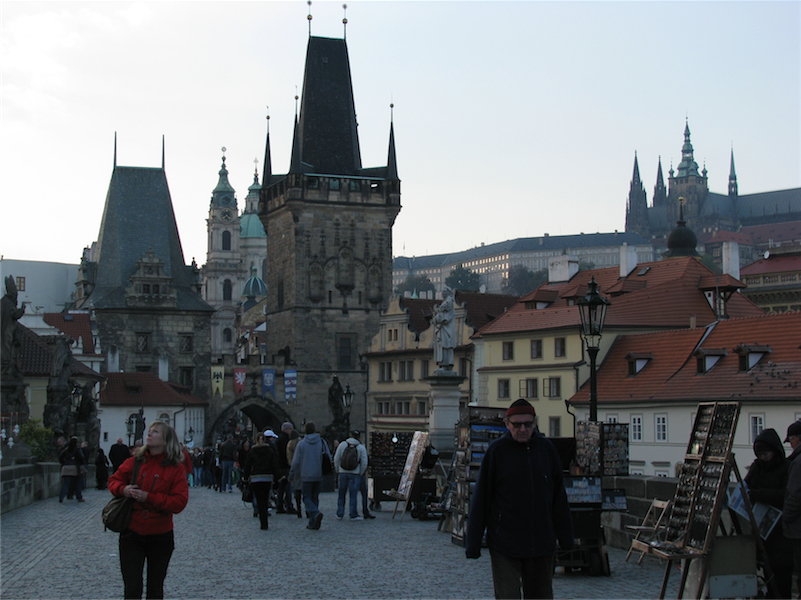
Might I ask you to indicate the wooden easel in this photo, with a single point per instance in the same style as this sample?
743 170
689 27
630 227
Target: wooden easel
700 497
413 458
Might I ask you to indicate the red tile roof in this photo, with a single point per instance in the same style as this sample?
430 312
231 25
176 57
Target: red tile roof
765 235
672 373
656 294
481 308
36 356
731 236
77 325
144 389
775 263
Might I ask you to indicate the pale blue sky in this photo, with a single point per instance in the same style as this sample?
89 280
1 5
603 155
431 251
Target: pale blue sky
512 119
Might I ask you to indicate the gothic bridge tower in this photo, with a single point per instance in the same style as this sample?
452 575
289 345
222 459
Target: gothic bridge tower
329 234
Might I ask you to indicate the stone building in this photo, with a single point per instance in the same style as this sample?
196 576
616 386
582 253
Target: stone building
329 240
144 300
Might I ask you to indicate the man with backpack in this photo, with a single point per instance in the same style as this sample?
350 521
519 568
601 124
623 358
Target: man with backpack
351 463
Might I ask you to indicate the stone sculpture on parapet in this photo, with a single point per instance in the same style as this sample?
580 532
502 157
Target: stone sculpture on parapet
444 332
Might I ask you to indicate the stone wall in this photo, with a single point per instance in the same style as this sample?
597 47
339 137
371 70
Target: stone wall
640 491
21 485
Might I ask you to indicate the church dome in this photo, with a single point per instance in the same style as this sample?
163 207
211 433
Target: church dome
250 226
254 287
681 241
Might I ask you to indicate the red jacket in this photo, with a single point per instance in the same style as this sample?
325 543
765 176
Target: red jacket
167 493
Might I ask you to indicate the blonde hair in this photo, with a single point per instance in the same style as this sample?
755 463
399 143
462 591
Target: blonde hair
173 455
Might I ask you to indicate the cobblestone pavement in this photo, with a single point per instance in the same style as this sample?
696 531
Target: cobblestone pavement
53 550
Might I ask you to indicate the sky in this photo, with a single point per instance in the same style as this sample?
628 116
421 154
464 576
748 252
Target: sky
512 119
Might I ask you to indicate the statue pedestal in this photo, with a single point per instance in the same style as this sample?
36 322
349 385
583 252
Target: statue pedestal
444 414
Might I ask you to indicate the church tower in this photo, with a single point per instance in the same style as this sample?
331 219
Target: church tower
637 205
329 238
223 275
687 183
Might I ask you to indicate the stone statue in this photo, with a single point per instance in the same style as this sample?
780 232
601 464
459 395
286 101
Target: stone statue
445 331
9 315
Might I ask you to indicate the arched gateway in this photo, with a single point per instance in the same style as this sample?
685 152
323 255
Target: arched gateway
265 413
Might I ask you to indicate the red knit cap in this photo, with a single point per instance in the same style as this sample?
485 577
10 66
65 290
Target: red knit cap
520 407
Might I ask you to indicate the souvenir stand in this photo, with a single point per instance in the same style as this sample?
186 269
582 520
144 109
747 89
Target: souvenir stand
600 449
721 566
412 464
388 454
477 428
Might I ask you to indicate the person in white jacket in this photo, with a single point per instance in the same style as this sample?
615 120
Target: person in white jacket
350 469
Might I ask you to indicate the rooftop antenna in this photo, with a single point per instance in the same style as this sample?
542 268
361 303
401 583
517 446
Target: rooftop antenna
309 16
345 21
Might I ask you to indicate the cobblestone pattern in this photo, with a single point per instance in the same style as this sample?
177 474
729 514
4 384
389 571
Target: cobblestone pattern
54 550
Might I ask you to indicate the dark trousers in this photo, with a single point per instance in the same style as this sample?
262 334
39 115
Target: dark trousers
134 549
522 577
311 498
363 492
285 492
261 494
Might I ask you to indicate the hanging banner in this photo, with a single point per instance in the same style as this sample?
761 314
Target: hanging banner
239 381
291 385
268 382
217 378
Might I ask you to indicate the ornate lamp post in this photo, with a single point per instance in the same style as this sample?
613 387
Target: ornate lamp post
347 405
592 309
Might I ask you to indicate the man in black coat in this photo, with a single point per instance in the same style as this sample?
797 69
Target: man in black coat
520 500
118 454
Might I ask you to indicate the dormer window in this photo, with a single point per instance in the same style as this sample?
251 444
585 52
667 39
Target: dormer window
707 358
750 355
637 361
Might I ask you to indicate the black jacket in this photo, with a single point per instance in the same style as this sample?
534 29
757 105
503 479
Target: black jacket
767 482
520 500
262 460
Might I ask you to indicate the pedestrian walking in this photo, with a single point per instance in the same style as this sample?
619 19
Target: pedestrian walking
227 460
284 492
520 501
101 469
296 482
791 519
350 461
308 463
160 491
118 454
71 459
261 471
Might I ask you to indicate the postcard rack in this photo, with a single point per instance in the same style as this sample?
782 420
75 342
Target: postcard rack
700 497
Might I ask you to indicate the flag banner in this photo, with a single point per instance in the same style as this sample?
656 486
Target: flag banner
240 373
291 385
268 382
217 379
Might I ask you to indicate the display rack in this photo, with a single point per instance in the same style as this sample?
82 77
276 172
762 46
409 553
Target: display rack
700 497
602 448
411 465
476 430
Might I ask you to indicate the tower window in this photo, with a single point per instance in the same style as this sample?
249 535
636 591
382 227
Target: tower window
226 240
227 290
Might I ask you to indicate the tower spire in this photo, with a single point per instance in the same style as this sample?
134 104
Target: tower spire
732 176
267 173
392 164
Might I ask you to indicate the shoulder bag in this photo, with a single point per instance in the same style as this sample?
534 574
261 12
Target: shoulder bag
117 513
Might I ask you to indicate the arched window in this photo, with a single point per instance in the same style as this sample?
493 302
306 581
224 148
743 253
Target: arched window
227 287
226 240
227 335
165 417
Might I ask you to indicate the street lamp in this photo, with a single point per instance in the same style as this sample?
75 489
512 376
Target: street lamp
347 405
592 310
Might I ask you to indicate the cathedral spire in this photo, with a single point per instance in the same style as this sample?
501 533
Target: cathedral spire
732 176
637 204
635 177
660 192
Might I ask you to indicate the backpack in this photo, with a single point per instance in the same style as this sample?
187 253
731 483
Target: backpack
349 461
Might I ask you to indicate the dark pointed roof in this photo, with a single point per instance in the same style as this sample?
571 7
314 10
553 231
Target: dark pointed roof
687 166
138 217
223 185
327 137
392 164
635 177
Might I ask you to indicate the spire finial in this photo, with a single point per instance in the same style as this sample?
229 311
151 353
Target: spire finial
345 21
162 151
115 149
256 167
309 16
391 112
296 102
681 208
268 120
223 151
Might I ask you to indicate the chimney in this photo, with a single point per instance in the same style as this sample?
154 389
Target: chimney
628 259
562 268
692 321
164 367
730 253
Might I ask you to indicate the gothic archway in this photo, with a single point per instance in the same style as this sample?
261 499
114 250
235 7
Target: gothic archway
265 413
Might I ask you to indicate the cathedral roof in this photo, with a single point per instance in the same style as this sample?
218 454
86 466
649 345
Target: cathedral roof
138 218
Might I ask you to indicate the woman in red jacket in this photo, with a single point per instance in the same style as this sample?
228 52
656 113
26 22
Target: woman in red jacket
160 490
